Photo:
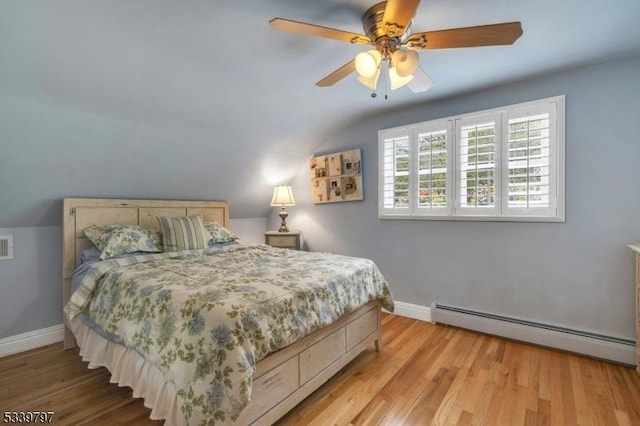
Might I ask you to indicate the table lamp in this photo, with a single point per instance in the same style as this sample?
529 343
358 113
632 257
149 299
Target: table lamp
282 196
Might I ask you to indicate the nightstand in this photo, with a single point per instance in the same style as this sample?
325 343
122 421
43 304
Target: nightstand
289 240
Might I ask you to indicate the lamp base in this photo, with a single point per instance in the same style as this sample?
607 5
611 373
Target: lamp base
283 215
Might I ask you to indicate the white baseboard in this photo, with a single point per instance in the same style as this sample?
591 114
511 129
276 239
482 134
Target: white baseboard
31 340
410 310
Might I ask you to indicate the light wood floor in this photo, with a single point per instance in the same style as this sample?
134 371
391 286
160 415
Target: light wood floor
426 374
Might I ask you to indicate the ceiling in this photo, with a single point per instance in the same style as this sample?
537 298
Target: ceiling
215 67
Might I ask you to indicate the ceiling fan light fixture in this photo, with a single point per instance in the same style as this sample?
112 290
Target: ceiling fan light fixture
405 62
368 63
386 28
397 81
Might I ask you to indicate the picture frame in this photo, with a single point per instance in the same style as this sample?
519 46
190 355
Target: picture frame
336 177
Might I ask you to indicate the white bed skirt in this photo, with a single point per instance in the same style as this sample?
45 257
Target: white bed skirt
129 368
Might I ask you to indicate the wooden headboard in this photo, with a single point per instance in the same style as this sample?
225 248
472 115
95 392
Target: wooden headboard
80 213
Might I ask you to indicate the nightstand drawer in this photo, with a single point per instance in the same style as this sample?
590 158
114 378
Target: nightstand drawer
282 242
288 240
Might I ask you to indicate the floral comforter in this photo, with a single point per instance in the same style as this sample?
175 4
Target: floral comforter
206 317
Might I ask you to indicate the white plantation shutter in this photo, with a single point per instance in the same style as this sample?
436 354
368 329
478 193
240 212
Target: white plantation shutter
395 177
477 165
530 161
433 169
502 164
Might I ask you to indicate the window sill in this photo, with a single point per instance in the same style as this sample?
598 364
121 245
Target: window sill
475 218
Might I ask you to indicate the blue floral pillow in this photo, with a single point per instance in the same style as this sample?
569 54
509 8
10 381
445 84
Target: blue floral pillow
116 240
219 234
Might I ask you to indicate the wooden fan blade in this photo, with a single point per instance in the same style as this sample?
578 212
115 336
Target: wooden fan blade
420 82
283 24
338 74
483 35
398 15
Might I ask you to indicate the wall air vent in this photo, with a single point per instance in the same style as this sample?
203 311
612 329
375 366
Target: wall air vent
6 247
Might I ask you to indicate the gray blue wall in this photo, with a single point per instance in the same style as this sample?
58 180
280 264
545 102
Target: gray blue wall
49 151
31 283
577 274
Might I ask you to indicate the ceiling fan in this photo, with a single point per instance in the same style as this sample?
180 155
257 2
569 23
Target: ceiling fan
387 27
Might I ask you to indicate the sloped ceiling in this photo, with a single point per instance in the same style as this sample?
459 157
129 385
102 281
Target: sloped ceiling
213 79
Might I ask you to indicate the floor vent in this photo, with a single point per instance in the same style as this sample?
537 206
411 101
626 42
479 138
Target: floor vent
582 342
6 247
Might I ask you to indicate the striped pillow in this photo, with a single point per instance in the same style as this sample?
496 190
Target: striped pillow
182 233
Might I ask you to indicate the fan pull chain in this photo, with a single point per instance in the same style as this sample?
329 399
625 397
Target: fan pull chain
386 79
373 93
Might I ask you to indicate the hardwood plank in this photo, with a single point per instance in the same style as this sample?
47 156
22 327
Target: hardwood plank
544 412
426 373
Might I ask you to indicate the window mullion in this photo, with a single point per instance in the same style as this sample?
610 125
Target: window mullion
504 164
455 179
497 161
452 168
413 171
528 166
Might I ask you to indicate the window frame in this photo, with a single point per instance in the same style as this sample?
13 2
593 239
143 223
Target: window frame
501 211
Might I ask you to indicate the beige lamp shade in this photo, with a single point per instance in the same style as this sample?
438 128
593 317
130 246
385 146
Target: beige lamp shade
282 196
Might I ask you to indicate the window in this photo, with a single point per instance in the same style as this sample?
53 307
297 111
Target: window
501 164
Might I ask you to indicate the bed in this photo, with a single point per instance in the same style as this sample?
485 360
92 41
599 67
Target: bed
307 355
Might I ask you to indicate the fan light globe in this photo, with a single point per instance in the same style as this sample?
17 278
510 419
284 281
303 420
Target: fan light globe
370 82
405 62
397 80
367 63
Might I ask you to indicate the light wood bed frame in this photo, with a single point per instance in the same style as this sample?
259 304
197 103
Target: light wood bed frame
281 380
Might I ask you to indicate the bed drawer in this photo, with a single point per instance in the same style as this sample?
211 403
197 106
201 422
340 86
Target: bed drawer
273 386
361 327
316 358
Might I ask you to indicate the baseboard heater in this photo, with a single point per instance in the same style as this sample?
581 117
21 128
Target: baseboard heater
582 342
